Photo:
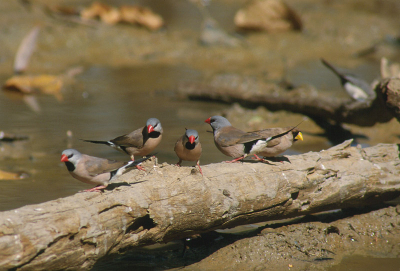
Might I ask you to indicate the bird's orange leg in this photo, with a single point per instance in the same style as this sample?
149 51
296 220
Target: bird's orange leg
236 159
95 189
201 172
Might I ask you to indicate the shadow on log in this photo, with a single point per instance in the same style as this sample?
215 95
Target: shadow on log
303 100
167 203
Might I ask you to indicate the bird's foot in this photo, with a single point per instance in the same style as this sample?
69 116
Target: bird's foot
256 157
236 159
95 189
139 167
179 163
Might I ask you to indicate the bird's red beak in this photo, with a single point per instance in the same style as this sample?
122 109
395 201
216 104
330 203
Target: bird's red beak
64 158
150 129
208 120
191 139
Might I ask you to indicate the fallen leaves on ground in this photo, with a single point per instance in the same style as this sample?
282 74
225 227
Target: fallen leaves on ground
5 175
125 14
32 84
267 15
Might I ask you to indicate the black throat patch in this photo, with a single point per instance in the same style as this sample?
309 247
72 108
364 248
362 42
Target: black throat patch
70 166
190 146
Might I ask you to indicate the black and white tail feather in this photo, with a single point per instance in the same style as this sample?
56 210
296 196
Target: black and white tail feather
123 169
108 143
258 145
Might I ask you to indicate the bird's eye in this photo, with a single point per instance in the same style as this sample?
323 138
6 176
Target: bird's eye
69 156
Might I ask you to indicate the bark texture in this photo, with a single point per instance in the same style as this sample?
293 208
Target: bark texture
166 203
303 100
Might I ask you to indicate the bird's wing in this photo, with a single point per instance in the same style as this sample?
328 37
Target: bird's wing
228 136
96 166
134 139
272 132
250 137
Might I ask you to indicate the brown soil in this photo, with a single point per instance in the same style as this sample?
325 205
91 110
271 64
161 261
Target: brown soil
316 242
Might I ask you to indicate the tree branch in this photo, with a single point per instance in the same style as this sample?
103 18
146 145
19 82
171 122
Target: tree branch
301 100
166 203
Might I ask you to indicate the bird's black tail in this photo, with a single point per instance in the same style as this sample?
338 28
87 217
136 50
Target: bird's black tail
138 161
330 66
130 164
284 133
108 143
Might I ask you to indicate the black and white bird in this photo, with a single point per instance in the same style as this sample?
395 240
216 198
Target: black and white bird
95 170
357 88
238 144
141 142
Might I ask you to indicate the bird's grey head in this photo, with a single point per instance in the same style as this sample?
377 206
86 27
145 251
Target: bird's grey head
193 133
70 155
155 123
218 122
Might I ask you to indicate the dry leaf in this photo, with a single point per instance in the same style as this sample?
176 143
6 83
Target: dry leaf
111 17
129 14
94 11
267 15
47 84
4 175
106 13
142 16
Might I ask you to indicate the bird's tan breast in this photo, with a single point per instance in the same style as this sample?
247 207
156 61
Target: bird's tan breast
186 154
147 148
82 174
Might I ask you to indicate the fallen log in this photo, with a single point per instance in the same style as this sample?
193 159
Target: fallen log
166 203
303 100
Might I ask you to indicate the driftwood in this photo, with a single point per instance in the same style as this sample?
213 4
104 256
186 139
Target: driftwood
303 100
166 203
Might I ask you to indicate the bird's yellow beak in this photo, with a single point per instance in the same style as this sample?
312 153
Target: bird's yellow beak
299 136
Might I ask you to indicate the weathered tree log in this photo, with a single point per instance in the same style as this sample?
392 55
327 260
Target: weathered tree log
166 203
390 90
301 100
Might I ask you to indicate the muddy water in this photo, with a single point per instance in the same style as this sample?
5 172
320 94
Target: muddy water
103 104
100 104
